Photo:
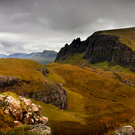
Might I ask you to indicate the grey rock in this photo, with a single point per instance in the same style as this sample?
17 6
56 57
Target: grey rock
41 129
127 130
6 81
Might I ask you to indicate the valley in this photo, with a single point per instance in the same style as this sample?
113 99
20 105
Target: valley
89 89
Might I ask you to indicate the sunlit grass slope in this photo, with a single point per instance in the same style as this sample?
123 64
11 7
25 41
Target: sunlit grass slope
127 35
26 70
97 101
96 97
21 68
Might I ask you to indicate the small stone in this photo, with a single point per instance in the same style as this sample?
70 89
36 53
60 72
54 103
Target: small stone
34 107
40 129
48 130
127 130
38 119
28 119
6 111
26 101
17 123
40 110
45 118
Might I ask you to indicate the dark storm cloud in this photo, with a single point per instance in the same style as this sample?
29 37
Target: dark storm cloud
61 20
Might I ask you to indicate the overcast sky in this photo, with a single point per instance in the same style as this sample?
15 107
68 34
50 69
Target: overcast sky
35 25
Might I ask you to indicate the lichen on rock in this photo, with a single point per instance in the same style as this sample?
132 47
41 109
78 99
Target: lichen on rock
31 116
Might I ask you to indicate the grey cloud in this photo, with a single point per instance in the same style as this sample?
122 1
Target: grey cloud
63 19
11 47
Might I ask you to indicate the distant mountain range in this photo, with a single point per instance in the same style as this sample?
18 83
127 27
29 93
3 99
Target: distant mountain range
44 57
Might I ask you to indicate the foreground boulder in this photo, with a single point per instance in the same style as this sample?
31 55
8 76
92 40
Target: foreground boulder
24 111
127 130
14 107
40 129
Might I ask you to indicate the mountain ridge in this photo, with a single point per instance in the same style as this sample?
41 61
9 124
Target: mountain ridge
44 57
114 46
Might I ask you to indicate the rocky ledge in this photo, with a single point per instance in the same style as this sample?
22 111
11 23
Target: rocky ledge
25 112
6 81
53 93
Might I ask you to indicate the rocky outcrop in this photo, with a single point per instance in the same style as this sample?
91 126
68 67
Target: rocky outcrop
127 130
129 83
77 46
53 93
6 81
56 95
24 111
13 107
44 71
100 48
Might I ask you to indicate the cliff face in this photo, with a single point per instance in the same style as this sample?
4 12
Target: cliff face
69 50
100 48
109 48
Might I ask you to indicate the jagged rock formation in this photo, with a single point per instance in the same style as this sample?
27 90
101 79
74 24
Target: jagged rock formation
101 47
24 111
77 46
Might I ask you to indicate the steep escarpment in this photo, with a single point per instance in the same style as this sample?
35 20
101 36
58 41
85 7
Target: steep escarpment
109 48
102 46
77 46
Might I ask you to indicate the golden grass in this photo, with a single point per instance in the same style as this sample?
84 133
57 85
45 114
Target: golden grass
96 96
127 36
21 68
25 70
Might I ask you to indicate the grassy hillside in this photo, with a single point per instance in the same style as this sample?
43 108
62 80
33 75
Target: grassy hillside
26 70
21 68
96 96
97 101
